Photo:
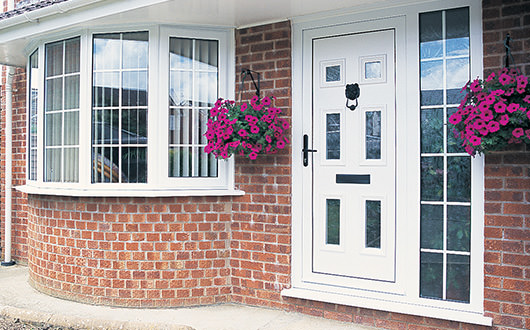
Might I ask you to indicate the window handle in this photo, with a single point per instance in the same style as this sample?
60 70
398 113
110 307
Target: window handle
306 150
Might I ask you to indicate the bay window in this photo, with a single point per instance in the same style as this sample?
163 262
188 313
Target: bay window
127 111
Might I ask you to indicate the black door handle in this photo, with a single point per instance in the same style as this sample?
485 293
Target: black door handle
306 150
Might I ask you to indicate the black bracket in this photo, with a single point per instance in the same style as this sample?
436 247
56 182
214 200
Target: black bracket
247 72
509 55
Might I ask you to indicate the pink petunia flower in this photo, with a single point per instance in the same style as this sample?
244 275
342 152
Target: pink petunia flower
490 77
242 133
280 144
254 129
266 101
455 118
493 126
479 124
527 132
504 120
497 92
486 115
244 107
505 79
253 155
512 107
527 99
475 140
518 132
475 86
469 149
500 107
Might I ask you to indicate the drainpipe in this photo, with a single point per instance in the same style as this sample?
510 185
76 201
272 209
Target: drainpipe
9 167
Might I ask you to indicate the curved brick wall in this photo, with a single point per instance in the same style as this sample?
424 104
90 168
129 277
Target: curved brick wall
137 252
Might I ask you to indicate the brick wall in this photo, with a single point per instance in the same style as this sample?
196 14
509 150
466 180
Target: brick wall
507 184
134 252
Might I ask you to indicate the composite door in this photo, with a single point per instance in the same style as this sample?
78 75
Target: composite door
354 167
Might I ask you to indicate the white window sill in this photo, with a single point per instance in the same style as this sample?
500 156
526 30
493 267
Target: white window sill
127 192
389 306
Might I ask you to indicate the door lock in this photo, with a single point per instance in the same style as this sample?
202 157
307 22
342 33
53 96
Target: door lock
306 150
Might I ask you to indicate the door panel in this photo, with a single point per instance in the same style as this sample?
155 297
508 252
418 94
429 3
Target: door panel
354 171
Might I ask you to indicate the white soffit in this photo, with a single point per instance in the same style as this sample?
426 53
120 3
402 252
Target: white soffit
19 32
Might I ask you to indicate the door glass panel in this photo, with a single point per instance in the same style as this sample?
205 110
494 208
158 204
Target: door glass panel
458 277
458 228
333 221
432 134
333 136
457 72
373 224
458 179
372 70
432 82
432 183
373 135
432 226
333 73
431 275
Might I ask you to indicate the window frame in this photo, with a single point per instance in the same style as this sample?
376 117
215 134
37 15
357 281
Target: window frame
158 181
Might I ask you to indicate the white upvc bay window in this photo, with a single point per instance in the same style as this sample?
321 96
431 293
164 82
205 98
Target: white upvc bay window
123 112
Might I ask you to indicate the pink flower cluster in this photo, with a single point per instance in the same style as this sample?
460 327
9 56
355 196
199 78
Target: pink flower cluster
494 112
248 129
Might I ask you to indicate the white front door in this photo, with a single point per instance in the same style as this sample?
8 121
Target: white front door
354 166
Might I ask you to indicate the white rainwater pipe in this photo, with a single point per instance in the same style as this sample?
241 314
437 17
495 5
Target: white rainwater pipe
9 167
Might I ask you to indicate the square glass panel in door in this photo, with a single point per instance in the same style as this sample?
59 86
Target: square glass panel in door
333 221
333 136
372 70
373 224
333 73
373 135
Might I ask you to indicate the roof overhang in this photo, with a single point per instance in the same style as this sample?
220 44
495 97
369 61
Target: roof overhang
19 33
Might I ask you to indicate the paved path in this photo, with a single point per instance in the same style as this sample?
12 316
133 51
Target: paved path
19 300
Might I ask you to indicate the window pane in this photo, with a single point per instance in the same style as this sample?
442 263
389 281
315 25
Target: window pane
333 221
106 90
107 51
106 164
71 165
135 50
134 126
54 94
432 131
457 23
181 128
205 89
457 76
134 88
54 59
373 135
432 83
432 169
53 127
180 161
72 55
180 89
71 92
458 277
432 226
206 55
71 128
373 224
333 136
33 113
180 53
458 228
53 165
459 179
134 164
431 275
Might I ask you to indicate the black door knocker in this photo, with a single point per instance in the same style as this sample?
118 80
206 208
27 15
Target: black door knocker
352 93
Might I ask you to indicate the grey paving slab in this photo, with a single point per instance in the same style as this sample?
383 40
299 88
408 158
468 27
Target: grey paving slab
19 300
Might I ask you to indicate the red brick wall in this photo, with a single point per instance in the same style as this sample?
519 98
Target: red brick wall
19 218
507 184
134 252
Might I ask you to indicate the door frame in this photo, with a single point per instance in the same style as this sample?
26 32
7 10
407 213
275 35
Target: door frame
403 295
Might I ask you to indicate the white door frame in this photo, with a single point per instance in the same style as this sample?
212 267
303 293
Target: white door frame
403 295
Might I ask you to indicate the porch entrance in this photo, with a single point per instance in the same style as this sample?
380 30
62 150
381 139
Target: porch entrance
353 170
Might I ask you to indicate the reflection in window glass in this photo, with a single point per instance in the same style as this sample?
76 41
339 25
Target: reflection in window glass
372 70
193 90
333 136
373 135
61 107
445 169
119 107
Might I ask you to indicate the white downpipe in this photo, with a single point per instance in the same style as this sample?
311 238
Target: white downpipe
9 167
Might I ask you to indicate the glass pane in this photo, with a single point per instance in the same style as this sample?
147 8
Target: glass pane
454 144
373 135
457 47
431 26
458 228
53 129
135 50
205 89
373 224
54 94
54 59
333 221
432 178
457 278
207 164
106 90
33 111
372 70
134 88
459 179
71 165
432 83
432 126
53 165
134 126
71 92
333 73
180 161
457 23
181 132
105 126
202 118
180 53
134 164
431 49
107 51
71 56
106 164
333 136
432 226
206 55
431 275
33 164
180 89
457 76
71 128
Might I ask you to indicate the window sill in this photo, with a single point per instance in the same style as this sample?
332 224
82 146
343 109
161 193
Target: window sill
388 305
127 192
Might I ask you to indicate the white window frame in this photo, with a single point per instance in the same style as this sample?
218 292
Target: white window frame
403 295
158 181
